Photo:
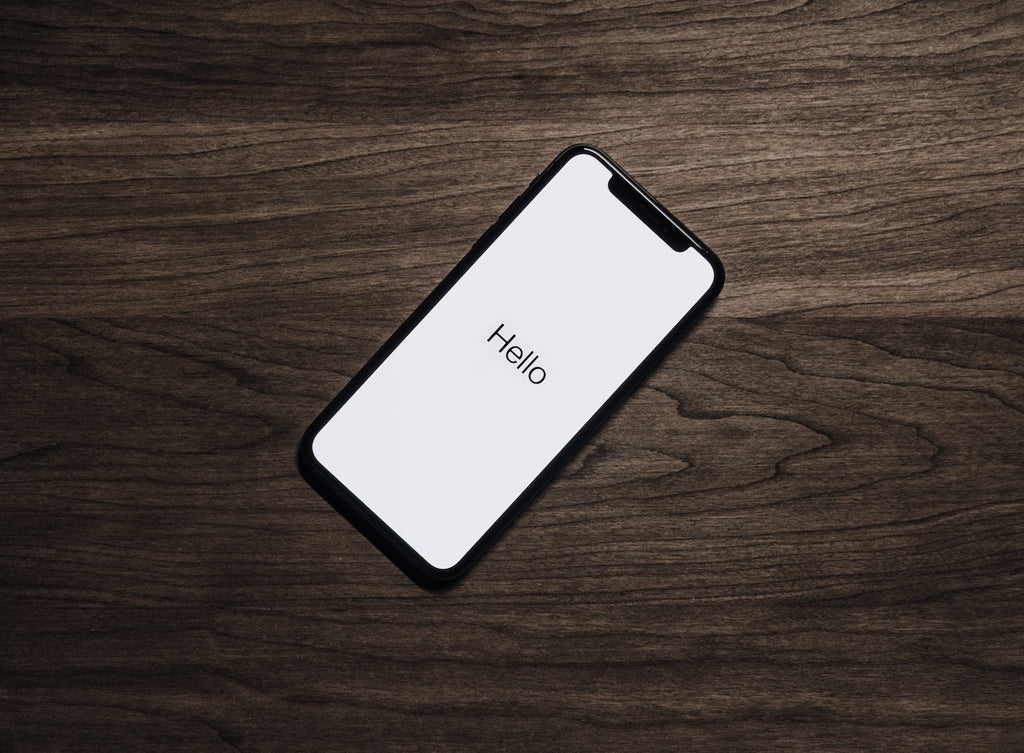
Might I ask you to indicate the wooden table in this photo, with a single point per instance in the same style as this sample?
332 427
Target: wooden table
805 532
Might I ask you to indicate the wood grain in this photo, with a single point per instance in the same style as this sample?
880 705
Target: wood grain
804 532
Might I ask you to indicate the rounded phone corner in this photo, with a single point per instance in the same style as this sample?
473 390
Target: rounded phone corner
574 150
401 554
717 275
434 579
409 561
305 455
577 150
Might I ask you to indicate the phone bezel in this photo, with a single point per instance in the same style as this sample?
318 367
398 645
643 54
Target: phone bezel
373 527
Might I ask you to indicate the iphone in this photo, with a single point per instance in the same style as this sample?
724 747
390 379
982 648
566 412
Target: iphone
517 357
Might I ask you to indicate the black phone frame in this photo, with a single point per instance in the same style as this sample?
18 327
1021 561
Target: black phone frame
374 528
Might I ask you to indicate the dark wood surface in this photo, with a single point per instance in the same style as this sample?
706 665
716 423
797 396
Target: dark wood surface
805 532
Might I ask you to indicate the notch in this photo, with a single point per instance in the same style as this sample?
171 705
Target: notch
650 213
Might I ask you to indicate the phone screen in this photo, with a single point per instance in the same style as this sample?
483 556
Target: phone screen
510 364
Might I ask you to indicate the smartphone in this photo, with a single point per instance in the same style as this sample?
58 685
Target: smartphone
517 357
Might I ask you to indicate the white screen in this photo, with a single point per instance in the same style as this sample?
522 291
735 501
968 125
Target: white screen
448 431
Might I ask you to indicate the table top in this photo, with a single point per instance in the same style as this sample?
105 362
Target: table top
804 531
